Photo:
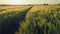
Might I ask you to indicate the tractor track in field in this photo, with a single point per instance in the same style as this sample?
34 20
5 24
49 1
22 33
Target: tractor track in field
23 19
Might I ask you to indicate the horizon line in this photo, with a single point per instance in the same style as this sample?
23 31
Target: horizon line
28 4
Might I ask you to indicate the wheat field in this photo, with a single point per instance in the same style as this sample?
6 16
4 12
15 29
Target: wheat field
30 19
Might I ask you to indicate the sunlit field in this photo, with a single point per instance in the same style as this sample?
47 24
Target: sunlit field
42 19
13 7
44 7
33 19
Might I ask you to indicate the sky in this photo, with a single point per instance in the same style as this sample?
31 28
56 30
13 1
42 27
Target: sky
29 1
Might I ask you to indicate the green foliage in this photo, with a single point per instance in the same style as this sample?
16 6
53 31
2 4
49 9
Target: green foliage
10 20
42 22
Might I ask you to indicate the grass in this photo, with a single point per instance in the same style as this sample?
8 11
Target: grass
41 20
10 20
